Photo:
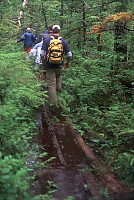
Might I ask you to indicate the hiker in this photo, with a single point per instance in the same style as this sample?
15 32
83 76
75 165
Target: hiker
45 35
53 65
35 52
28 38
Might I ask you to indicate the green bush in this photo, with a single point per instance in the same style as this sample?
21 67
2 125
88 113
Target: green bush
13 178
100 106
20 97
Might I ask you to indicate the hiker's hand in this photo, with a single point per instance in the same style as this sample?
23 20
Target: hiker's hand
66 64
16 41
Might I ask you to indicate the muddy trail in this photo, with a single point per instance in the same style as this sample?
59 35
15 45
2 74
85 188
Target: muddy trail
75 171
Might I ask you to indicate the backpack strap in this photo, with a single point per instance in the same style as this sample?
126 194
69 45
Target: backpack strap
59 38
52 37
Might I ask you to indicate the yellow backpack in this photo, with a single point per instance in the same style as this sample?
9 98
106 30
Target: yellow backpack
55 51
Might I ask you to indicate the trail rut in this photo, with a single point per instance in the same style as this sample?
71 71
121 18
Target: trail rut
70 174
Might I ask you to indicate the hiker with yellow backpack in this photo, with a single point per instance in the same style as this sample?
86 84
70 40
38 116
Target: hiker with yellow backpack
52 52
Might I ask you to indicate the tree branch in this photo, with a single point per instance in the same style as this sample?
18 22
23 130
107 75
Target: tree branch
129 29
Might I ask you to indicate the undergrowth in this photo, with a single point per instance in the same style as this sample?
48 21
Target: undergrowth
100 106
20 98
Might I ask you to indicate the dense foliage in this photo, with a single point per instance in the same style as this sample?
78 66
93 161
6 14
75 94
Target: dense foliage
20 97
97 95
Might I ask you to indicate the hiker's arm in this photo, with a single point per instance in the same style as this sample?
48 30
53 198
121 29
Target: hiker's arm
21 38
43 53
68 54
33 38
38 40
68 58
42 57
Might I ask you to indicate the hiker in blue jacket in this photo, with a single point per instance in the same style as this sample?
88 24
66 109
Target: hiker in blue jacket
28 39
54 71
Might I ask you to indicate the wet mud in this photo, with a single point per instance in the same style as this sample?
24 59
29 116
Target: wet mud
68 174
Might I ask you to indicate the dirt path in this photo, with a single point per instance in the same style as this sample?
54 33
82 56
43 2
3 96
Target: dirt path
73 171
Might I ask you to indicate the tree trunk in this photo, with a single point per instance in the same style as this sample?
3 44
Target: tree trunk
44 14
120 37
120 33
99 47
22 13
84 22
61 21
